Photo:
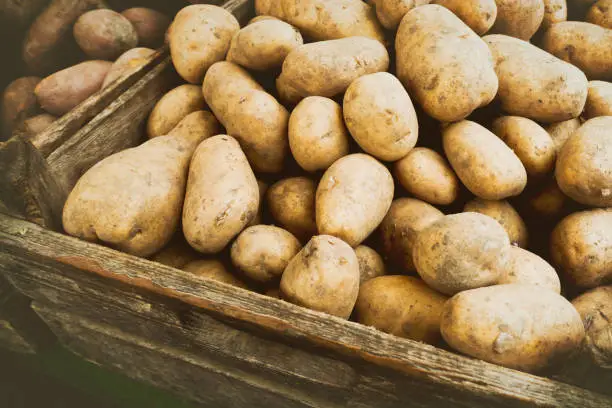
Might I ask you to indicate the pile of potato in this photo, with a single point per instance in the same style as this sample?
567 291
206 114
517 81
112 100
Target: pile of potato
384 162
66 32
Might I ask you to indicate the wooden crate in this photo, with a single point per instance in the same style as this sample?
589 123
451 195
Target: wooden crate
209 342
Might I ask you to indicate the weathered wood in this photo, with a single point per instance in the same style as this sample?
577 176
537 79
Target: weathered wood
409 366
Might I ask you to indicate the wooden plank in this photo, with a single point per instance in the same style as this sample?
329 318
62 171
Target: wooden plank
454 377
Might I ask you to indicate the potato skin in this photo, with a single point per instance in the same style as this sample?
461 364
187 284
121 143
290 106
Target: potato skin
61 92
516 326
199 36
505 215
292 204
215 270
520 19
317 134
600 13
587 46
177 253
599 99
535 84
380 116
584 168
264 44
173 107
594 307
371 263
527 268
403 306
548 202
391 12
460 252
197 126
555 11
249 113
104 34
323 276
454 79
219 175
427 176
561 131
479 15
36 124
324 19
18 102
530 142
344 204
581 248
404 220
262 252
127 63
485 165
150 25
327 68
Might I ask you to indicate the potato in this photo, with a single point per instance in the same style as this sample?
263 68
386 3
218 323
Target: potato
21 14
215 270
104 34
323 276
549 201
505 215
353 197
516 326
371 263
61 92
220 176
250 114
317 135
18 102
535 84
380 116
199 36
587 46
197 126
595 307
261 18
527 268
600 13
262 252
177 253
561 131
581 248
264 44
325 19
327 68
479 15
34 125
173 107
520 19
292 204
150 25
127 63
401 305
391 12
599 99
404 220
444 65
263 189
427 176
460 252
555 11
485 165
530 142
584 167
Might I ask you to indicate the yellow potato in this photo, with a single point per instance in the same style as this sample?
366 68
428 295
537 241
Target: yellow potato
516 326
403 306
595 307
371 263
261 18
391 12
199 36
555 11
345 204
561 131
520 19
527 268
177 253
292 204
220 177
584 165
379 114
531 143
250 114
215 270
317 135
427 176
600 13
404 220
173 107
444 65
485 165
599 99
327 68
127 63
196 125
581 248
535 84
506 215
323 276
460 252
549 201
479 15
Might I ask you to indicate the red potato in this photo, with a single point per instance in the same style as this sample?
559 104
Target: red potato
104 34
150 25
18 102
